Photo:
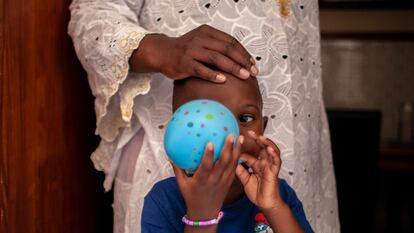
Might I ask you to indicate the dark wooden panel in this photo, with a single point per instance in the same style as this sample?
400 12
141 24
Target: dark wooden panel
47 126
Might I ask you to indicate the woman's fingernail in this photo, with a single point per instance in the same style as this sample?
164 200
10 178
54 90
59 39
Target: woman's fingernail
221 77
241 139
240 161
254 71
244 73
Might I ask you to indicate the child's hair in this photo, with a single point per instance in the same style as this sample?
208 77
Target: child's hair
179 85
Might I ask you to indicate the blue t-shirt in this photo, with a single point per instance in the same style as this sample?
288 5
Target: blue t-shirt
164 208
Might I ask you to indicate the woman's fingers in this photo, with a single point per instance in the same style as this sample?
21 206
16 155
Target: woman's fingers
198 69
232 48
222 62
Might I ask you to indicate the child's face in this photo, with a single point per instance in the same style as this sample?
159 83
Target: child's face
242 97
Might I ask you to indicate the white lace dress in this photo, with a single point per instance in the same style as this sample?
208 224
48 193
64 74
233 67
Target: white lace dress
132 109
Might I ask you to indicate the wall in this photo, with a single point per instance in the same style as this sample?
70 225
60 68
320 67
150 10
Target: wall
369 74
366 21
48 183
368 57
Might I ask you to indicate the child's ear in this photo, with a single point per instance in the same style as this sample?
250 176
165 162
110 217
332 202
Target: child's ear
265 120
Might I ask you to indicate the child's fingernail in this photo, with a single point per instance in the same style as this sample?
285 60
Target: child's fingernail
244 73
271 149
210 146
241 139
263 138
254 71
251 132
221 77
231 138
252 61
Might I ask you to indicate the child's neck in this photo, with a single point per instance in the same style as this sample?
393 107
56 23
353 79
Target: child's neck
235 193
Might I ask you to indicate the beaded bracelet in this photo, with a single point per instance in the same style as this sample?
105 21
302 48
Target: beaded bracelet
188 222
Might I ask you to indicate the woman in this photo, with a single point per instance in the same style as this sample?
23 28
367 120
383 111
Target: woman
132 50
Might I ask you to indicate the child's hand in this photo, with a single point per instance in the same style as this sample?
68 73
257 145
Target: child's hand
204 192
261 187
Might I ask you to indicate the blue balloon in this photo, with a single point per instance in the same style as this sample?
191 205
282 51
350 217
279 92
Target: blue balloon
192 126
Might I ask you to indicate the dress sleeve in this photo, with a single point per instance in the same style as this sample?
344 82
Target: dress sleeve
105 33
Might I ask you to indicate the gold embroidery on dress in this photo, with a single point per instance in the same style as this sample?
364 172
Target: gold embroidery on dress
284 6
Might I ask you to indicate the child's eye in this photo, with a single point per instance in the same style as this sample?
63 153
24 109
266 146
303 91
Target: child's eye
245 118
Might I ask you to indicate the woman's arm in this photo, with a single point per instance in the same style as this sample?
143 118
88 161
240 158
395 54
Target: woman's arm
105 33
108 38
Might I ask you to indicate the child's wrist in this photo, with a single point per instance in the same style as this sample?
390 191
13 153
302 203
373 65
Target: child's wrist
202 215
277 208
203 223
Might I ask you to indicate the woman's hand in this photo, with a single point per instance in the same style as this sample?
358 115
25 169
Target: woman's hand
205 191
261 187
194 54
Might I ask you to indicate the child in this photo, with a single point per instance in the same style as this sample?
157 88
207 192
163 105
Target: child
252 202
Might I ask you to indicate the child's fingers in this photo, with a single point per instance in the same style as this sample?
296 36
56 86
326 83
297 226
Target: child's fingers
179 174
242 174
252 162
207 163
263 141
268 142
253 135
225 154
228 173
264 156
257 165
249 160
275 158
237 149
225 157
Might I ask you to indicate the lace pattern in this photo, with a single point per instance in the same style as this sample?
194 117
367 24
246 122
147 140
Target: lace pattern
287 51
